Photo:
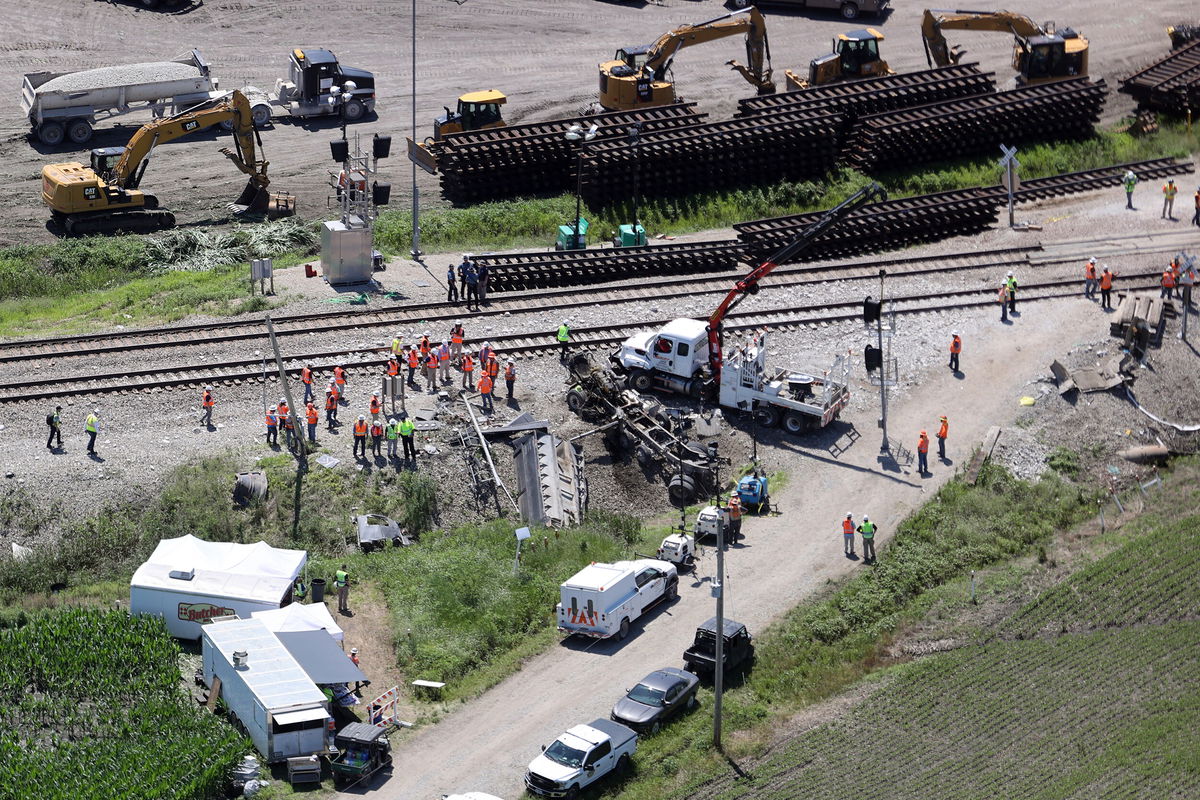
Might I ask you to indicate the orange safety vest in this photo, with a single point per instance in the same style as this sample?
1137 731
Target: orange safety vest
1168 279
432 363
956 345
485 385
944 430
492 367
443 355
414 360
735 507
272 420
1169 191
923 444
306 375
468 365
393 367
375 405
360 428
456 335
376 429
311 414
331 402
1091 271
848 527
1106 279
207 400
510 372
283 409
424 345
339 375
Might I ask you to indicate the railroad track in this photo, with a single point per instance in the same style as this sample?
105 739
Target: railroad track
239 371
1170 84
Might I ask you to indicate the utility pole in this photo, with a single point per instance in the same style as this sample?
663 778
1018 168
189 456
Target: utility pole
416 203
1187 269
1009 163
301 440
718 591
883 448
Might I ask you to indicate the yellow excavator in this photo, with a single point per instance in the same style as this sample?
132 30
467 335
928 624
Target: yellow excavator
476 111
1040 52
104 197
637 76
854 55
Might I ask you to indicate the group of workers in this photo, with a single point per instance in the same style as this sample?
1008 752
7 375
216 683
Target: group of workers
54 421
1169 191
472 283
866 530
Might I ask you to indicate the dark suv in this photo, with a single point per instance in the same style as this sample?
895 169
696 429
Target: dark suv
737 653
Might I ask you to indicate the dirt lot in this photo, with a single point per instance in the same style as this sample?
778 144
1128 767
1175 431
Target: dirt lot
542 54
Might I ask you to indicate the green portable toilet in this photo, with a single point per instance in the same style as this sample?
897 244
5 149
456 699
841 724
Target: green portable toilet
566 236
630 236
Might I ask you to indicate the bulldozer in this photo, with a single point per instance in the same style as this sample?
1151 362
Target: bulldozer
854 55
636 77
476 111
104 197
1041 53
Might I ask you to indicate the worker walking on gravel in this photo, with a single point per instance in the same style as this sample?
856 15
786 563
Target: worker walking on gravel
360 436
955 350
457 336
1090 280
868 530
207 401
510 376
339 378
1002 299
341 582
392 432
376 406
444 364
1011 282
467 365
54 423
311 416
377 438
1129 181
943 432
1167 282
451 286
397 347
393 367
848 536
564 339
923 454
92 427
407 434
306 377
331 407
485 393
1169 192
1106 281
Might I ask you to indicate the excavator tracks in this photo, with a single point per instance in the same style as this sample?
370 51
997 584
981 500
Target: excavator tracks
139 221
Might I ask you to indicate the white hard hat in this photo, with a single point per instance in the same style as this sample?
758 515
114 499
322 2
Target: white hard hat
1009 273
95 411
511 361
866 518
283 400
362 416
487 344
274 408
426 333
849 514
208 388
374 394
443 341
354 651
1092 260
954 333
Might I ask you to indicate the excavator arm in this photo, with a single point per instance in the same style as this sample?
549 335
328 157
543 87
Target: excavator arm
748 20
233 109
801 242
937 50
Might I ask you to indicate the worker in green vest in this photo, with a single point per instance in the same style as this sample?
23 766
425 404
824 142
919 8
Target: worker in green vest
407 430
92 426
564 338
1129 182
341 582
393 436
867 529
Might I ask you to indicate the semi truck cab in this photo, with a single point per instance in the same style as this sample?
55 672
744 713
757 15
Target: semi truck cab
312 76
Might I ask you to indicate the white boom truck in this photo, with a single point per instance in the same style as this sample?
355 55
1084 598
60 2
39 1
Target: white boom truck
603 600
687 355
580 757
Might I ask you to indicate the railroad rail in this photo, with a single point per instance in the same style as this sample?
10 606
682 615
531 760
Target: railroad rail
1171 84
240 371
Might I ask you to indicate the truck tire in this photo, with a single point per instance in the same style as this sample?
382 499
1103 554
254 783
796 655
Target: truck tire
623 631
354 110
576 401
51 133
643 455
623 762
640 380
261 114
849 10
682 489
79 131
572 793
672 592
795 423
767 416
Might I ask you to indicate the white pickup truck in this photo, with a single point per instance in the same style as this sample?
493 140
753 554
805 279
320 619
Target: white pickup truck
602 600
580 757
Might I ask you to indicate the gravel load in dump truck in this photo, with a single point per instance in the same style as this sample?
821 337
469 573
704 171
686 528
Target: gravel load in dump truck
124 75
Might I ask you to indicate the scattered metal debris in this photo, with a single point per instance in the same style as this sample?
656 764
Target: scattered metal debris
551 485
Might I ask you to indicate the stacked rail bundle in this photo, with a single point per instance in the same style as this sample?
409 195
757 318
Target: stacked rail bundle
879 226
1061 109
525 271
536 158
747 151
1170 85
855 99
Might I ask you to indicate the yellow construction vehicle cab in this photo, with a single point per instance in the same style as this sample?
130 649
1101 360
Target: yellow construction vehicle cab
1040 52
104 197
855 55
637 76
476 111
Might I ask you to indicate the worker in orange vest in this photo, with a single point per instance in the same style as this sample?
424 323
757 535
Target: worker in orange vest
339 378
1196 216
942 433
360 435
1089 279
431 370
468 372
331 404
443 354
311 416
923 454
848 535
424 345
735 515
414 361
206 406
510 376
492 366
1168 283
955 349
457 335
485 393
376 405
289 427
1002 298
1106 279
306 377
393 367
273 426
376 437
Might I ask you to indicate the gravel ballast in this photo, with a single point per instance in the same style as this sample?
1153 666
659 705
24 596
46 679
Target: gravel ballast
124 75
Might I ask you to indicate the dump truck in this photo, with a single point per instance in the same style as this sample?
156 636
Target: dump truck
65 106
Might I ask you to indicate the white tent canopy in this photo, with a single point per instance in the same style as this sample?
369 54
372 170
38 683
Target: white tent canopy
255 572
297 617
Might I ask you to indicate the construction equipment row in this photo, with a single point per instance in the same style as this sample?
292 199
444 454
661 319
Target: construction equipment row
1171 84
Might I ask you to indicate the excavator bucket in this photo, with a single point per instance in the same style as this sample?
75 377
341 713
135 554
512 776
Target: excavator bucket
255 199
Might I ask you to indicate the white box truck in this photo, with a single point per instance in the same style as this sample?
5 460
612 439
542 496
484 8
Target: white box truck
268 693
603 600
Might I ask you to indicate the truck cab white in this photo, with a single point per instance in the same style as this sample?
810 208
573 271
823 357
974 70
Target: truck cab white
673 357
580 757
603 600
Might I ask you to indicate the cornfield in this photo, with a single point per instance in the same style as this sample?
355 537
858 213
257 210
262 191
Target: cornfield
91 707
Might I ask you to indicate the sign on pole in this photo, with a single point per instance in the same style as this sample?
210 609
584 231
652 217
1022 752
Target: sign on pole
522 535
1010 180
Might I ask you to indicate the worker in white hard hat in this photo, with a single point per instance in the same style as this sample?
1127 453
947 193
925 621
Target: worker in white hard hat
207 401
444 362
1010 282
92 426
485 352
510 376
1090 279
564 339
457 335
868 529
360 435
955 350
376 406
848 535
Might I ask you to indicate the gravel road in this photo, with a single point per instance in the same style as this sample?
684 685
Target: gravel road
542 55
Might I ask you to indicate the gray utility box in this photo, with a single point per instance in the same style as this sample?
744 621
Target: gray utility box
346 252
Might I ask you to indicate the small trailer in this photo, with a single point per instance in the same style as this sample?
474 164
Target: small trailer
67 105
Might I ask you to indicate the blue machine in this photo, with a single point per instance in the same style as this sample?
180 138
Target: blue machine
753 492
